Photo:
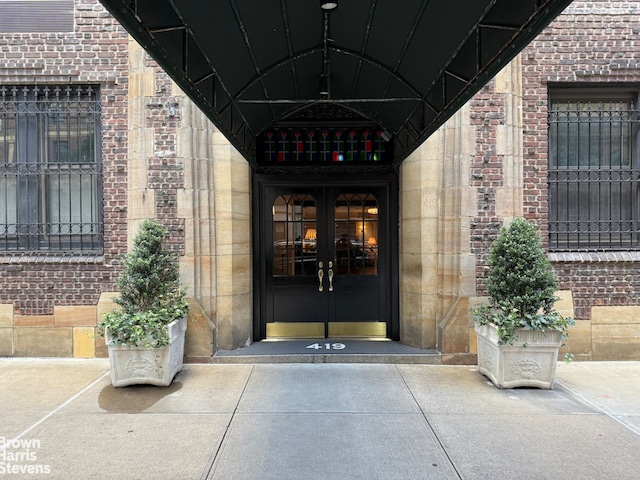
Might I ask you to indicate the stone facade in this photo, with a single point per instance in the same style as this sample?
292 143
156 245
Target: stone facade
162 158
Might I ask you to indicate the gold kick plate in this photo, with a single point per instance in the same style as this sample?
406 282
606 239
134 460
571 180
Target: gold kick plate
336 330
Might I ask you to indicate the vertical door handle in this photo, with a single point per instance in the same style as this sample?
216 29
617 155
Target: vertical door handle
320 276
330 276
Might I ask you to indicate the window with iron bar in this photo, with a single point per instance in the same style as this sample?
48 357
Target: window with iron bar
594 176
50 169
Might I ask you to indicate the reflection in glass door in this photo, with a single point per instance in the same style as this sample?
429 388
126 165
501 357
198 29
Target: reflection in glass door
356 307
356 234
294 235
294 307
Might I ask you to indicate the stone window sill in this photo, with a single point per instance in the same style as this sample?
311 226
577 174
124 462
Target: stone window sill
595 257
19 258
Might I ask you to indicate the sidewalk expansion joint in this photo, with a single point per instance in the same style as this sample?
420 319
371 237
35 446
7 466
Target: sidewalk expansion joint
599 408
431 429
211 462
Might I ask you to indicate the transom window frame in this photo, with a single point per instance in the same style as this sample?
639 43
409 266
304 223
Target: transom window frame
594 184
51 170
324 145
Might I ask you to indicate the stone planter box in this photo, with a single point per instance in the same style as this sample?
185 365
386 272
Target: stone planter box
152 366
517 365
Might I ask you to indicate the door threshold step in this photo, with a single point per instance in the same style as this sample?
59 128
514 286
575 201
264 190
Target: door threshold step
328 351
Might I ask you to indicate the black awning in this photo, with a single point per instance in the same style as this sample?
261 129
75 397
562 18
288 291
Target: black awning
405 65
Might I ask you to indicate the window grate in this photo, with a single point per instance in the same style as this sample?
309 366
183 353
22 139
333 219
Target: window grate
594 177
50 169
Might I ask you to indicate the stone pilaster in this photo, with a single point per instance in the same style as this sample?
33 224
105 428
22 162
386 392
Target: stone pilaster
509 141
216 267
233 246
437 270
140 198
419 195
456 263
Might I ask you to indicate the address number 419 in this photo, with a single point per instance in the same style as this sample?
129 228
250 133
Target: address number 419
327 346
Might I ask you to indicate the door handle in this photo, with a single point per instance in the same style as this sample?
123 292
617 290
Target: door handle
320 276
330 276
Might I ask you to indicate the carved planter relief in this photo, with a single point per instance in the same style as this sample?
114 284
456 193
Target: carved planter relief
529 362
152 366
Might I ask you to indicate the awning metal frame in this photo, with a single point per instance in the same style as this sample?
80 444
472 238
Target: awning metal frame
501 30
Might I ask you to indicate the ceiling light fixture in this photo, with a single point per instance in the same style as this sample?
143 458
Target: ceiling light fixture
328 6
324 85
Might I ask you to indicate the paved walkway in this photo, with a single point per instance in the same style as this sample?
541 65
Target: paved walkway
62 418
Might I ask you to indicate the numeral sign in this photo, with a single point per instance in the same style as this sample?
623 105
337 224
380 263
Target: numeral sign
327 346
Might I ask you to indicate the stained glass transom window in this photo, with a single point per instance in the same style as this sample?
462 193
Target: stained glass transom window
317 146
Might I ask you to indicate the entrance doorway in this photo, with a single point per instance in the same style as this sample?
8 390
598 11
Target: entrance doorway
324 255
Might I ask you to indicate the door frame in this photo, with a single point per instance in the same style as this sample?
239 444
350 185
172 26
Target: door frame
388 181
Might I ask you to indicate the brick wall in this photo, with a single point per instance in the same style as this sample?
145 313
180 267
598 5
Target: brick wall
600 284
165 168
95 53
591 42
487 112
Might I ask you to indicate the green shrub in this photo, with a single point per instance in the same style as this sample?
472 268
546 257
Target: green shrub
150 294
521 285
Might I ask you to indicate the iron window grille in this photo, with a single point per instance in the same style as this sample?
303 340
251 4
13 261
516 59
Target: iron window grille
50 169
594 176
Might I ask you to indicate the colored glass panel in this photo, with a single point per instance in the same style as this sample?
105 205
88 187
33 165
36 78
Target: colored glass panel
323 145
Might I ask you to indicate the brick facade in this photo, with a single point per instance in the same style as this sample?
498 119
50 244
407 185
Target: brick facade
594 43
165 168
591 43
52 301
487 112
96 54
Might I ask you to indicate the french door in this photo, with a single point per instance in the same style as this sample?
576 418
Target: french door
324 261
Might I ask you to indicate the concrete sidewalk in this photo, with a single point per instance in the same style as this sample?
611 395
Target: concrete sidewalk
62 418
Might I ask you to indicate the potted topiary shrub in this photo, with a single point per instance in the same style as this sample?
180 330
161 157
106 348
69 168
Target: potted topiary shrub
145 337
519 332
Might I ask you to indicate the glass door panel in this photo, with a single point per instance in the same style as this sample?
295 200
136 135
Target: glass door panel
294 235
356 234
